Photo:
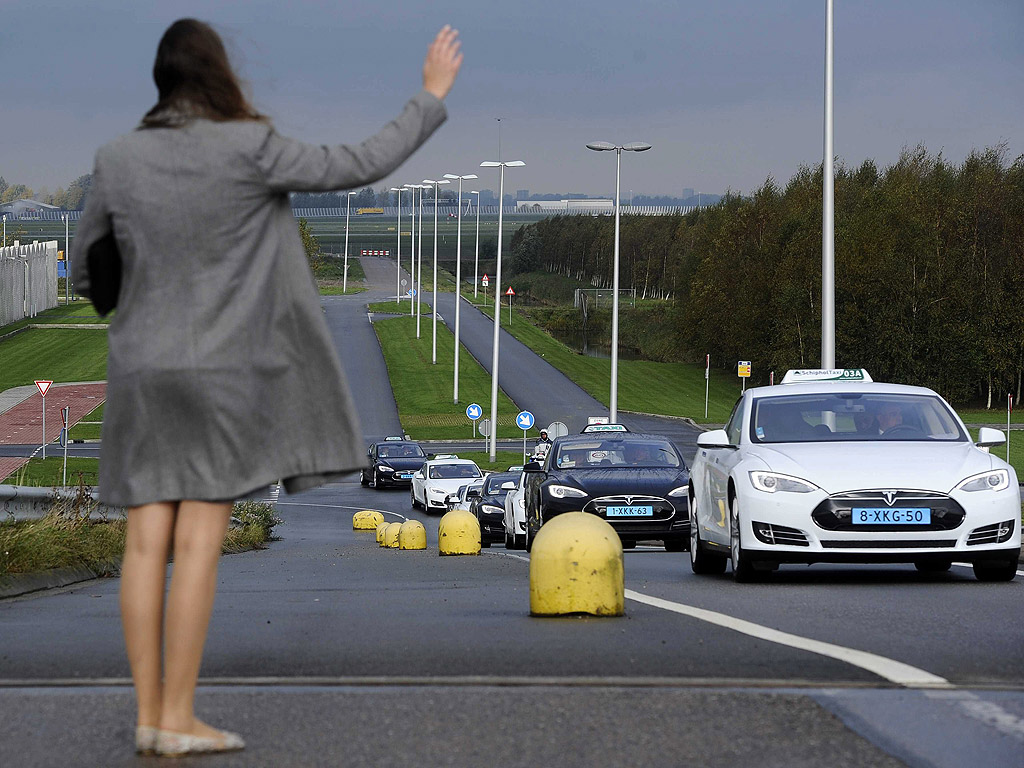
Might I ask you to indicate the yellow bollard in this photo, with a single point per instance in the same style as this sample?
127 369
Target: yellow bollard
576 567
391 535
412 535
366 520
458 533
381 527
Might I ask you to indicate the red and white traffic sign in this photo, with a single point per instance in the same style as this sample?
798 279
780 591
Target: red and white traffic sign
43 386
485 281
510 292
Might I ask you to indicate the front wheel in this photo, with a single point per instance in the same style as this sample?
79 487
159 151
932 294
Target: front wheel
519 541
743 570
995 571
412 499
702 562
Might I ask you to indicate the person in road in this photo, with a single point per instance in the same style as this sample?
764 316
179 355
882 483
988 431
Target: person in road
217 343
543 439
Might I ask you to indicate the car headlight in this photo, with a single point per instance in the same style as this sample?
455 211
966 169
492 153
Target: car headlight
566 492
490 509
385 468
682 490
770 482
437 491
996 480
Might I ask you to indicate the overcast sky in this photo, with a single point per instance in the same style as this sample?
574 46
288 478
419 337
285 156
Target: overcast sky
729 92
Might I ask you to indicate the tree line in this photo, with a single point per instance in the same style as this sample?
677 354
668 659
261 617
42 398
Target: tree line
70 199
929 272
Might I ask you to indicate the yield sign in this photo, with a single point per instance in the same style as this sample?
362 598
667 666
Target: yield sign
485 281
43 386
510 292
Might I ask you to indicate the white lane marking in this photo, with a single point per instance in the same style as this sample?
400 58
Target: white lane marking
987 712
968 565
889 669
336 506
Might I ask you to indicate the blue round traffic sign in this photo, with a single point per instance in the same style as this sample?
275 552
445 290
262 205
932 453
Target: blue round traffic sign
524 420
411 292
474 411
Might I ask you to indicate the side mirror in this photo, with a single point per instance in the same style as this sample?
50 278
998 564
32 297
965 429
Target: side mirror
508 485
533 466
473 494
989 437
716 438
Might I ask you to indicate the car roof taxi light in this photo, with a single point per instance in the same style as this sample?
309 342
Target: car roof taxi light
603 428
839 375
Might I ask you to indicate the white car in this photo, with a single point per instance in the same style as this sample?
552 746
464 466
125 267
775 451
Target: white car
515 515
463 497
438 478
832 467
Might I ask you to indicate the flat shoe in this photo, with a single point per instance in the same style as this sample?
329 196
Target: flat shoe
174 744
145 739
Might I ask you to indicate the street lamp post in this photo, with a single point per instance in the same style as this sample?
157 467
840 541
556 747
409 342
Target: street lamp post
458 282
412 252
344 279
433 359
398 251
419 262
497 304
476 258
604 146
828 240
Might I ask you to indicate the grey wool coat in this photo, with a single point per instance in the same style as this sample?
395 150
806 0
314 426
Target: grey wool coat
222 377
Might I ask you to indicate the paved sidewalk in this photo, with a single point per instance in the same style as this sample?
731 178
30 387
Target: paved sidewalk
22 423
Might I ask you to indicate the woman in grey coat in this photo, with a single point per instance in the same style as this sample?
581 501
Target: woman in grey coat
221 376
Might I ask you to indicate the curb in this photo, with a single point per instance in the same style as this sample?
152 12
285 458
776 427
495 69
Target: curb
24 583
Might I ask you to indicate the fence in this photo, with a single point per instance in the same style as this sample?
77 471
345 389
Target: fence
28 280
492 210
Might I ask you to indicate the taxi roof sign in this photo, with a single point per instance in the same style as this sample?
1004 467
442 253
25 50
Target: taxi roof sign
390 438
603 428
839 375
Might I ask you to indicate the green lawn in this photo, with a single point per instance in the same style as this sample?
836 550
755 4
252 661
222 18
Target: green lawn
392 308
57 354
504 459
49 472
77 313
424 391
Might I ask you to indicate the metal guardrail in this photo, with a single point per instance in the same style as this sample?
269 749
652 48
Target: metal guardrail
23 502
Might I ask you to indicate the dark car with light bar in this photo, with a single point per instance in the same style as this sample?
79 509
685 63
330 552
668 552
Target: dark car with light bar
636 482
392 463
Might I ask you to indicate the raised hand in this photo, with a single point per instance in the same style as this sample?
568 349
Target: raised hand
442 63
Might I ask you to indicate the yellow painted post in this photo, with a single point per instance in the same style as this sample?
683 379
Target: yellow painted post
576 567
366 520
412 535
381 527
458 533
391 535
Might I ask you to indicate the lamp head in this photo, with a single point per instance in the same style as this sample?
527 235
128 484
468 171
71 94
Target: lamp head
601 146
636 146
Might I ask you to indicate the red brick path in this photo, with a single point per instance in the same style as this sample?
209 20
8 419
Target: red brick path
23 424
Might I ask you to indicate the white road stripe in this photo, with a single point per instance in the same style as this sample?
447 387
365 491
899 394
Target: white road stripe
336 506
889 669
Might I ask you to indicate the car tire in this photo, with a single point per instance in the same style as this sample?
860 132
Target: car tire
933 566
519 541
509 540
412 498
1005 571
362 478
702 562
743 570
373 478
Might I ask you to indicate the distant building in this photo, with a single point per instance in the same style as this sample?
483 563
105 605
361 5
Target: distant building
522 194
566 206
26 209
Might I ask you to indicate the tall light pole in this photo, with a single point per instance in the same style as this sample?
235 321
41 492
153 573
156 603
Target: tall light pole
476 258
828 239
4 243
398 252
604 146
412 251
433 359
67 263
344 279
419 262
458 282
497 304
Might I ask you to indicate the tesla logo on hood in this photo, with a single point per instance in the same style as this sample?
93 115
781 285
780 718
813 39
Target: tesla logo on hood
629 500
889 496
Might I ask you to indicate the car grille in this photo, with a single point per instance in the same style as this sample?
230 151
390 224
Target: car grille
835 512
996 533
888 543
779 534
663 509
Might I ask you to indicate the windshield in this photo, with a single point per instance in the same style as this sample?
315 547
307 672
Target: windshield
617 452
400 452
453 471
493 483
852 416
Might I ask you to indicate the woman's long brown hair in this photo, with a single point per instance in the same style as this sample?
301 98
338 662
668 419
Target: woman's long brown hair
194 78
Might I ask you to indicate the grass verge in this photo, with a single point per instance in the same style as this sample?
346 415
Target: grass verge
391 308
57 354
77 313
68 537
49 472
423 391
504 459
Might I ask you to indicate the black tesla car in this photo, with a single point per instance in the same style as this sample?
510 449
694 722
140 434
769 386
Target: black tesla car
392 463
637 482
489 506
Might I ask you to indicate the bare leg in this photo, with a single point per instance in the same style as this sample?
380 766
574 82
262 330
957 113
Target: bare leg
143 573
198 536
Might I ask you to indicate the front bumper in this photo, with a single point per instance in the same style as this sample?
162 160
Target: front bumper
811 527
670 521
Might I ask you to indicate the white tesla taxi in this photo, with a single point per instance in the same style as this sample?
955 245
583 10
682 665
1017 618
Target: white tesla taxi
438 478
833 467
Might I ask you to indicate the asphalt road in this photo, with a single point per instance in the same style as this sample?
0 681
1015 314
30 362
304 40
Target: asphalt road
325 649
